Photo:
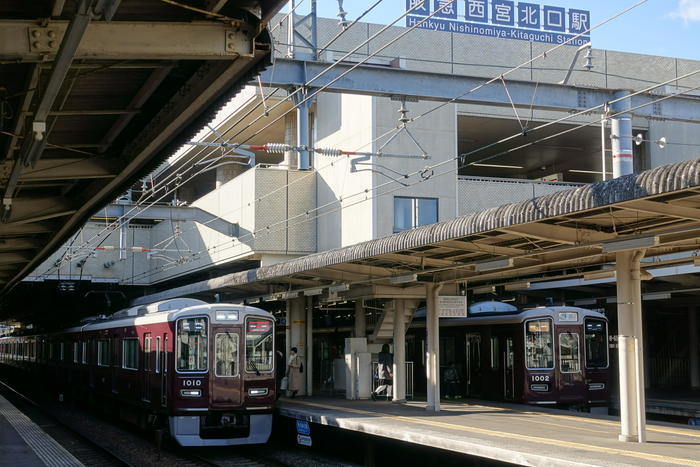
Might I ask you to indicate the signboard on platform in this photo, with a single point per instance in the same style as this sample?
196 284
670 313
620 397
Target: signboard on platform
505 19
303 427
452 306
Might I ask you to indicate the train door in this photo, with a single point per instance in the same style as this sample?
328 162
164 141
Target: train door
147 367
225 382
473 364
571 384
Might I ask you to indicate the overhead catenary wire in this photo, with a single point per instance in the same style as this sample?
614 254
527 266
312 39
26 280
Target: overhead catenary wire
285 222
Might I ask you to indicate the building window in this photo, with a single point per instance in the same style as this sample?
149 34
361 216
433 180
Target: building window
412 212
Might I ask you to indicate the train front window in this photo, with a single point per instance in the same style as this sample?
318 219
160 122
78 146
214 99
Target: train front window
568 352
259 345
226 354
192 344
539 353
596 343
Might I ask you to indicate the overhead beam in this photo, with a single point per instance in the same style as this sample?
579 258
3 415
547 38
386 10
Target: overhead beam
388 82
14 258
15 244
71 169
478 247
8 230
558 233
419 261
663 209
125 40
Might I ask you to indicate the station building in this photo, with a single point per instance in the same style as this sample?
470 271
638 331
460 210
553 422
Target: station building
221 209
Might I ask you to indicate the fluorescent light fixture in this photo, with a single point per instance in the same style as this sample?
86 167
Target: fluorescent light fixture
656 296
630 244
403 279
339 288
498 166
312 292
486 289
596 275
585 302
594 172
492 265
517 286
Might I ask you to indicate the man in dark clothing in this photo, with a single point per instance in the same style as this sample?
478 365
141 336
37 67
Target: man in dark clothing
385 373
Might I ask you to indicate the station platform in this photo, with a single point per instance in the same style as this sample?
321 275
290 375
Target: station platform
24 443
673 403
504 432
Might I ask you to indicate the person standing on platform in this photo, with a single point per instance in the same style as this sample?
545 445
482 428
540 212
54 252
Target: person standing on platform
294 369
385 373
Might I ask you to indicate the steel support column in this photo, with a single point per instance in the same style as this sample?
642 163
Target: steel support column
303 131
630 346
309 364
399 370
432 358
621 134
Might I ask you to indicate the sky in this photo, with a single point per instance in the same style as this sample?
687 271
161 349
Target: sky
669 28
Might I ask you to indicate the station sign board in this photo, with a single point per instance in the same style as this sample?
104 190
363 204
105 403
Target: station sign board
505 19
452 306
303 427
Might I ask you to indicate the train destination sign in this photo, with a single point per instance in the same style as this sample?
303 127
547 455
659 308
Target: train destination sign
505 19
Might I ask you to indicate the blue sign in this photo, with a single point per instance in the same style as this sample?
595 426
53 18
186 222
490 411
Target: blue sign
303 427
694 421
304 440
505 19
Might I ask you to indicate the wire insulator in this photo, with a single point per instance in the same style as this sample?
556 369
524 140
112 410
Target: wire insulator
329 151
278 148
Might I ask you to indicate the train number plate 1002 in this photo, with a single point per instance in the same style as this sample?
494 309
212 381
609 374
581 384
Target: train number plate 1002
540 378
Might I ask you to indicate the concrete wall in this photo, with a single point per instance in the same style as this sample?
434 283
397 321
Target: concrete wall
345 122
438 137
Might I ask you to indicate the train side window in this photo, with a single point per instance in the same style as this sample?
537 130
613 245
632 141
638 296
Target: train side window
103 352
596 343
147 353
75 352
158 354
226 351
569 358
539 352
130 354
85 354
63 351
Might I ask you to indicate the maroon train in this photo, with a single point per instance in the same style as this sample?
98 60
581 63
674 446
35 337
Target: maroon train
203 371
552 356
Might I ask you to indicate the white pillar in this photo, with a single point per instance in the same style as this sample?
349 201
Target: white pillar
432 358
630 347
621 134
399 370
360 320
297 327
694 347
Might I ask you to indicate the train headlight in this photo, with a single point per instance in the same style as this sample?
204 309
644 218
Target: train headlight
596 386
257 392
539 387
191 393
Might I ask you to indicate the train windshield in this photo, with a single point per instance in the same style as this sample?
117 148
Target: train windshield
538 344
596 344
568 352
192 344
259 349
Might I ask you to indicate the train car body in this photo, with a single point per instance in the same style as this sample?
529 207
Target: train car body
552 356
205 371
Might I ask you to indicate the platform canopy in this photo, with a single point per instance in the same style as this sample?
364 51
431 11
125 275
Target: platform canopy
96 93
569 234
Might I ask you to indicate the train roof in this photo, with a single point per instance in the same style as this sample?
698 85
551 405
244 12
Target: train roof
494 312
161 312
